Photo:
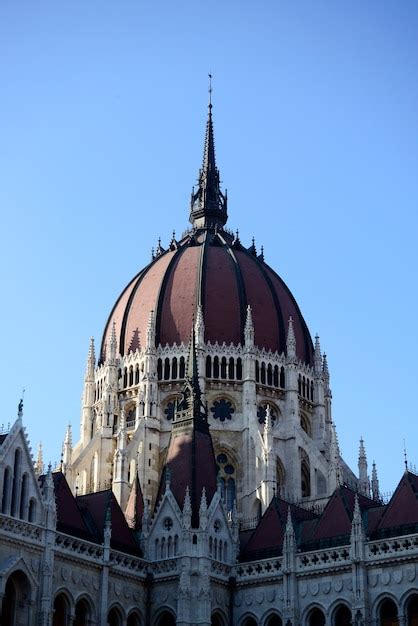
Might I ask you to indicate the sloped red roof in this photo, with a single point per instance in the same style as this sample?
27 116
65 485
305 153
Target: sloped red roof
269 534
69 518
135 507
94 508
223 276
402 509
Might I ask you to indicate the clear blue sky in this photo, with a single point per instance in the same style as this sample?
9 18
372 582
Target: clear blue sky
102 113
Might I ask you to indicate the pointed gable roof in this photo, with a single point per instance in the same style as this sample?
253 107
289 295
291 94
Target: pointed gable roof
135 507
190 460
337 516
69 518
94 507
402 509
267 538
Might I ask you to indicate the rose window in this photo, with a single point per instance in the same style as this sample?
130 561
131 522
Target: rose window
261 414
222 410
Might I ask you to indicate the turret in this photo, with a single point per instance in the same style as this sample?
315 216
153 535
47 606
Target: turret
39 463
317 358
88 396
363 482
67 448
249 329
375 483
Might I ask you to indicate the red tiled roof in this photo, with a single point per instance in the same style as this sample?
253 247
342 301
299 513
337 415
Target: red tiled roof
224 278
402 509
69 518
94 507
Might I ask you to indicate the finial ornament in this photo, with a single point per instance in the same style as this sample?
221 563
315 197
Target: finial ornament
405 456
210 89
20 405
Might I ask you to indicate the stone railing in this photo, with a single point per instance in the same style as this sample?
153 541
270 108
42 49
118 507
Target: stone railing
258 569
393 547
164 567
79 548
323 559
220 570
23 531
127 562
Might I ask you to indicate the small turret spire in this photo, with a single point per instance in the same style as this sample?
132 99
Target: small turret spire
91 362
39 464
291 340
208 205
362 469
112 343
249 328
317 356
375 483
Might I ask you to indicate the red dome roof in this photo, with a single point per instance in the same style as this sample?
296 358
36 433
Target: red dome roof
208 268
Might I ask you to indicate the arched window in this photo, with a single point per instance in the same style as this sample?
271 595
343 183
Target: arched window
6 490
61 611
300 384
305 479
133 620
166 619
16 483
216 367
312 391
276 376
280 478
16 605
230 494
274 620
137 375
32 511
24 496
239 368
257 372
131 376
388 613
269 375
342 616
176 545
82 613
125 377
159 369
305 424
316 618
169 547
282 378
263 373
163 552
182 368
303 387
210 546
208 367
231 369
174 371
226 478
114 617
250 621
321 484
223 367
166 368
412 611
216 620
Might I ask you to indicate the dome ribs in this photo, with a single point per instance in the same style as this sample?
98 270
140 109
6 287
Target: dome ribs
306 355
162 293
261 300
280 318
124 340
242 295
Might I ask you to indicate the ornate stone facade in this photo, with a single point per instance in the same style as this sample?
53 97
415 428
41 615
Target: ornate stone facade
207 485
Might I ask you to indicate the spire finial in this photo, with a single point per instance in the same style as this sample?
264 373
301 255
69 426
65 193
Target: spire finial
210 89
208 206
405 457
20 405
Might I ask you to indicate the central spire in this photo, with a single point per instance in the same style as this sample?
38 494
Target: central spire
208 205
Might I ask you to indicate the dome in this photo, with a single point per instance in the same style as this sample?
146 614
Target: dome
211 268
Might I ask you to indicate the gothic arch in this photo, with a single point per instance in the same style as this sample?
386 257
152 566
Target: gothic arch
84 605
340 613
134 618
165 616
218 618
17 599
62 607
380 600
249 619
307 613
116 615
409 604
268 618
